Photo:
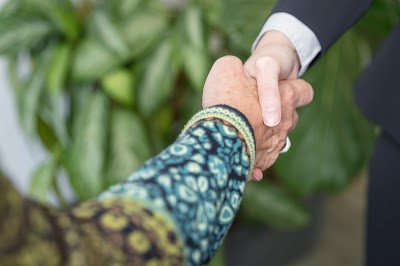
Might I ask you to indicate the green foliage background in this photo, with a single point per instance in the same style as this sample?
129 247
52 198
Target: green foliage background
111 83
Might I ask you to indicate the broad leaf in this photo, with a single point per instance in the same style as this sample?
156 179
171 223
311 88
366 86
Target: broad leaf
120 86
29 96
121 9
196 61
46 135
242 21
59 67
22 33
53 111
61 14
332 141
92 60
268 204
85 158
129 146
42 178
142 30
157 80
106 32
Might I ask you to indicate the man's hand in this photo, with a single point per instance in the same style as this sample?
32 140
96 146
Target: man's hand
274 59
229 83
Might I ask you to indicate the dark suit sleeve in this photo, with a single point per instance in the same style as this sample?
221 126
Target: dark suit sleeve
328 19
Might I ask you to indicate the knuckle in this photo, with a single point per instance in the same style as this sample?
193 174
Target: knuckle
228 60
266 61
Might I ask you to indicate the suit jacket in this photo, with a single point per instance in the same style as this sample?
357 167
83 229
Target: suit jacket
377 91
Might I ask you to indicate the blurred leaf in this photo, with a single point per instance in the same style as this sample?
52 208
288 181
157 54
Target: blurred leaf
106 32
194 27
46 135
242 20
61 14
13 75
212 10
333 140
10 8
21 33
54 113
129 145
196 65
162 121
85 158
269 204
142 30
41 180
157 79
120 86
59 67
121 9
196 61
92 60
30 95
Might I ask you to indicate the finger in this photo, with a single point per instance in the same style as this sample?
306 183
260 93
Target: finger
295 121
257 174
267 76
302 90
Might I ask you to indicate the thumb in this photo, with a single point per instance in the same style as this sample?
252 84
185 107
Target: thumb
267 73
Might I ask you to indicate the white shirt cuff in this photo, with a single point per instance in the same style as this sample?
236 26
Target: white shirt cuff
303 38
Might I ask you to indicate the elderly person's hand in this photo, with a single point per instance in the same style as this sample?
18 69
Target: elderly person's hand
229 83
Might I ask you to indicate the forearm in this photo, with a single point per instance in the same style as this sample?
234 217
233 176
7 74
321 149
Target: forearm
327 19
196 184
178 207
175 210
310 26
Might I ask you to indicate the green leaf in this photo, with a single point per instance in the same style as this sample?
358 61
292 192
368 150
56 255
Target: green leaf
13 75
21 33
242 20
196 61
85 158
92 60
129 145
196 65
59 67
106 32
142 30
29 96
269 204
120 86
194 27
121 9
46 135
157 79
61 14
212 10
41 180
53 113
332 141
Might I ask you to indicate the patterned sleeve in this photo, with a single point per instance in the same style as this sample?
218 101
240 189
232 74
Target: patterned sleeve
175 210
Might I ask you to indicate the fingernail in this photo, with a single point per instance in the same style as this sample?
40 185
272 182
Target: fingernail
256 178
271 119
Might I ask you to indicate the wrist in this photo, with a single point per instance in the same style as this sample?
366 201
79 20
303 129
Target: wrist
278 39
240 121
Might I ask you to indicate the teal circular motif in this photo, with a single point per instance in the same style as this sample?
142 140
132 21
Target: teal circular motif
178 150
186 193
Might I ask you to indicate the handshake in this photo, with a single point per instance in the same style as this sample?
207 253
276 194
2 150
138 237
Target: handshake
230 83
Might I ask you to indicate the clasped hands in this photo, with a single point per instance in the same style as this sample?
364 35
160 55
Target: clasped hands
229 83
